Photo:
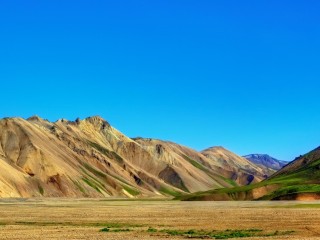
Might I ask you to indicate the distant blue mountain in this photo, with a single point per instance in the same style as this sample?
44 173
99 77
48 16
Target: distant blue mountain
266 160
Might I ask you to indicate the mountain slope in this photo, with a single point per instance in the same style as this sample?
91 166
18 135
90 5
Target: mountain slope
266 161
299 180
90 158
234 167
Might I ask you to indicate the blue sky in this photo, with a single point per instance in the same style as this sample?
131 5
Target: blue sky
241 74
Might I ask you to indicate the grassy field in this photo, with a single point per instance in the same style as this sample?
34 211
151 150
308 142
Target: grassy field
157 219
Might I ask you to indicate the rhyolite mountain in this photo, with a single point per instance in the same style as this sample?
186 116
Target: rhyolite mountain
266 161
234 167
90 158
298 180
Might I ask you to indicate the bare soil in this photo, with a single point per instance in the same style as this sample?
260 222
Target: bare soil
83 219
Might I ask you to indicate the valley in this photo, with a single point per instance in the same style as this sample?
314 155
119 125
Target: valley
156 219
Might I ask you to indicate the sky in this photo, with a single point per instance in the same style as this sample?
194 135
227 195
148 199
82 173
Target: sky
240 74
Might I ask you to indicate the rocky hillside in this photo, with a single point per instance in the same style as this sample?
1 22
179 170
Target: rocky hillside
234 167
298 180
90 158
266 161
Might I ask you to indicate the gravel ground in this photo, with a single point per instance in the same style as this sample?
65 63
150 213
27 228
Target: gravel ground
83 219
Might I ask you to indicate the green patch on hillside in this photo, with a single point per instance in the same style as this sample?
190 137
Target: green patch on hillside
290 182
105 151
233 192
79 186
292 190
195 163
119 178
94 170
41 190
230 181
304 180
95 180
169 191
91 184
132 191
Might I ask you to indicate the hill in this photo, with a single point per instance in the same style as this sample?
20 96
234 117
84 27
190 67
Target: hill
90 158
237 168
299 180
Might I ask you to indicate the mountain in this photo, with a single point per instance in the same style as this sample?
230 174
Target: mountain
266 161
237 168
90 158
298 180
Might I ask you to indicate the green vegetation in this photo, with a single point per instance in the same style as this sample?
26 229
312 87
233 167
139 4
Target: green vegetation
304 206
119 178
93 181
105 230
292 190
227 234
91 184
94 170
286 185
115 230
126 227
78 186
121 230
230 181
41 190
229 192
96 184
152 230
169 191
119 227
130 190
303 180
108 153
195 163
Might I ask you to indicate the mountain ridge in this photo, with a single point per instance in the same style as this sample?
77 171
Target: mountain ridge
90 158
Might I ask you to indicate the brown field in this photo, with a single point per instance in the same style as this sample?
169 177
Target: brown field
83 219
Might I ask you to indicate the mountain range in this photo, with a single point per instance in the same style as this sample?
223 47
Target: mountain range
90 158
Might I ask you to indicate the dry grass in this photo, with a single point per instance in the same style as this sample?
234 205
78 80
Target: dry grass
84 219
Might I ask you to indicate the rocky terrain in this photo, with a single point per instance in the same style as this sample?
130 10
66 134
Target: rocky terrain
234 167
90 158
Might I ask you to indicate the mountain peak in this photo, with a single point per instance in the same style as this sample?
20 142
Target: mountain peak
215 148
35 118
96 121
266 160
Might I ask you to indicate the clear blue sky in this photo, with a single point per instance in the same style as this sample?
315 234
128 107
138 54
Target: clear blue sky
241 74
